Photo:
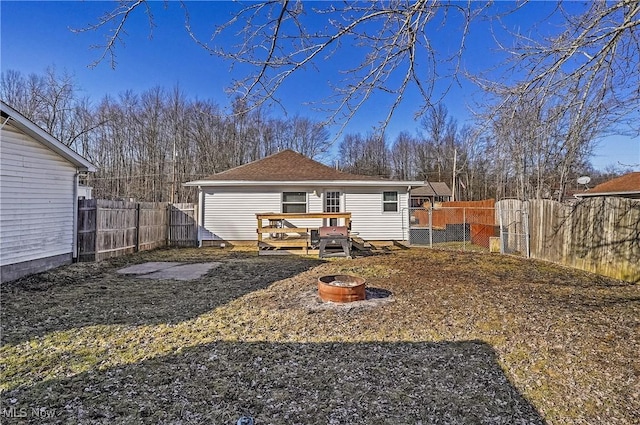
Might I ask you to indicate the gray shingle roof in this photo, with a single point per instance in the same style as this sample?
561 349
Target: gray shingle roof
432 189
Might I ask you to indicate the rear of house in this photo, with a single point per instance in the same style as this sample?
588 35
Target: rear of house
38 197
288 182
376 213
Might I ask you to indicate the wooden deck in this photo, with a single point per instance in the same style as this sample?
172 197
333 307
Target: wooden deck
276 235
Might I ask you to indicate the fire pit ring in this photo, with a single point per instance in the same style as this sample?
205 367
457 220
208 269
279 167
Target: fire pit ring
341 288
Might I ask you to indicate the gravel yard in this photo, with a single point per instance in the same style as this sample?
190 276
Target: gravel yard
443 338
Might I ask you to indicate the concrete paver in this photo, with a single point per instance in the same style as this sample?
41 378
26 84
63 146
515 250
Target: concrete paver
169 270
150 267
182 272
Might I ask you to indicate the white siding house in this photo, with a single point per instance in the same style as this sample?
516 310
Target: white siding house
38 197
290 182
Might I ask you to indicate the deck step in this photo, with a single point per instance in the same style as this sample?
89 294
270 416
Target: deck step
311 252
360 244
286 243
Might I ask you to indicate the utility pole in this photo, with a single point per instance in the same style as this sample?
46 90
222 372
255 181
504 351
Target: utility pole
173 173
453 180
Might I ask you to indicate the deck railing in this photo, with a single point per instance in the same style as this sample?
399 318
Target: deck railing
280 223
279 226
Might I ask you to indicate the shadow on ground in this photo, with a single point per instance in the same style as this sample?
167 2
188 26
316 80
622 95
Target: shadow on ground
88 294
280 383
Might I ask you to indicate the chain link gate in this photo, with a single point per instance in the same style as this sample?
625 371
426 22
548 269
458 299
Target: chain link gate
513 218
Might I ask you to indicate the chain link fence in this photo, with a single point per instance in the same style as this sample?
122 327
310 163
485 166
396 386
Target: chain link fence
499 229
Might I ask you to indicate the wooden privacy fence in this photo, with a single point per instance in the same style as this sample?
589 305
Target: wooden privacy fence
460 211
600 235
114 228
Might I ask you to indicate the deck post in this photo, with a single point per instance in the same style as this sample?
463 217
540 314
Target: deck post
259 230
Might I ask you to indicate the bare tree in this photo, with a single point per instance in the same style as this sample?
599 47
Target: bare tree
436 150
300 134
393 39
13 90
565 87
206 132
49 100
403 156
474 164
366 155
594 61
568 90
350 151
112 152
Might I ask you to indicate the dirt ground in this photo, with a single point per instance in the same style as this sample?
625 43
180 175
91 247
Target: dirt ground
447 338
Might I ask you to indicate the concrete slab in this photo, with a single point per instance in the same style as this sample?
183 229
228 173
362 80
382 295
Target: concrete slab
182 272
150 267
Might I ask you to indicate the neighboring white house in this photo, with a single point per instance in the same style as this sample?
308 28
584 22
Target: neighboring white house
288 182
38 197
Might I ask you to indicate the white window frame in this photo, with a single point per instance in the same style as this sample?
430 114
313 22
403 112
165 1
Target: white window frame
396 202
327 197
284 203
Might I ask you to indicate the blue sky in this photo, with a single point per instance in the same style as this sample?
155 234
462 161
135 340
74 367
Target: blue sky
35 35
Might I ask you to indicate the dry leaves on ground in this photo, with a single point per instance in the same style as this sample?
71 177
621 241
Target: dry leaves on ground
461 338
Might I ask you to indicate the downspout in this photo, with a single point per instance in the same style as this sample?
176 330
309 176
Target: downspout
408 228
74 253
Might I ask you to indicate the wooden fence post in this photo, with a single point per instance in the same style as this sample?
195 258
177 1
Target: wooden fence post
169 215
137 249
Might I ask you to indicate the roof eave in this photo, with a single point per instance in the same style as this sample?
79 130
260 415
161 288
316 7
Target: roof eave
368 183
588 195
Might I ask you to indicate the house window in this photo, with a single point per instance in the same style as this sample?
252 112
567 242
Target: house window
390 201
294 202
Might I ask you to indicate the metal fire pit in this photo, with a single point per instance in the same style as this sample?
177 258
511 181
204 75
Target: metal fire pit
341 288
333 241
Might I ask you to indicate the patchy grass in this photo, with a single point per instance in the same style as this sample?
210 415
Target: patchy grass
468 338
460 246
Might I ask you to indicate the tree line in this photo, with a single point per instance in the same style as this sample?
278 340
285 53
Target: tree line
147 144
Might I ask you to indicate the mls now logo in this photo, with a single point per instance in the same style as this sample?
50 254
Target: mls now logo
37 412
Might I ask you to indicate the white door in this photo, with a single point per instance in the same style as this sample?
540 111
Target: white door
331 204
